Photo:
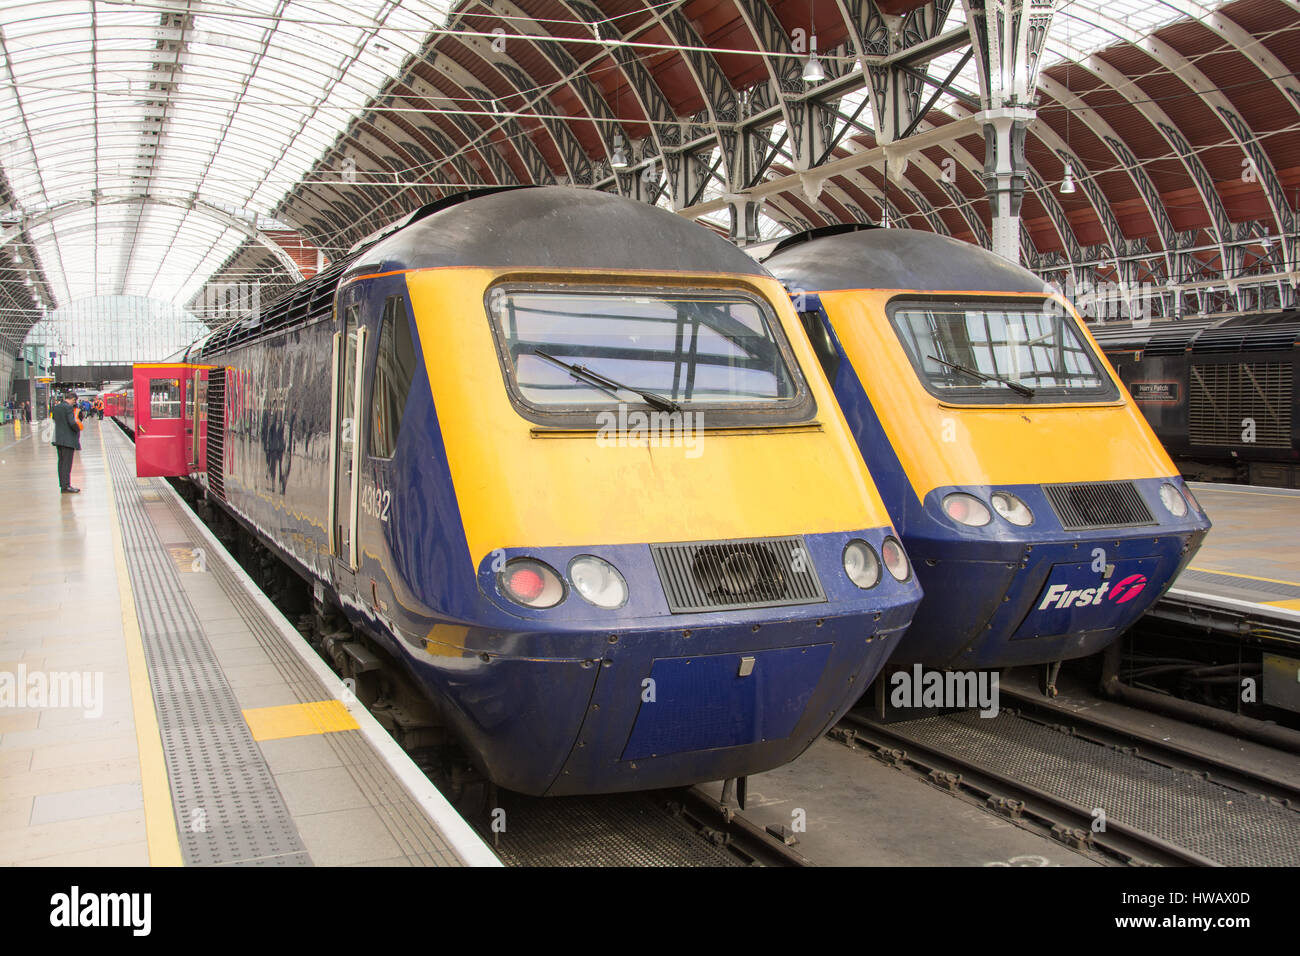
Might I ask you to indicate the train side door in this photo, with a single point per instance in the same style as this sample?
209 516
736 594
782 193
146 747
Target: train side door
161 426
345 445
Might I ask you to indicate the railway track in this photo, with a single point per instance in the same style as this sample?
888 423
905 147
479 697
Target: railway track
1107 733
1115 795
666 828
1028 807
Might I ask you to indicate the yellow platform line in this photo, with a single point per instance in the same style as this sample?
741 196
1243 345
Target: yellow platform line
159 817
1248 577
1232 491
1292 605
299 720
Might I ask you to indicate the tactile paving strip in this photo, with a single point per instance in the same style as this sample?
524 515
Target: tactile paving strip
625 829
419 839
1225 825
228 808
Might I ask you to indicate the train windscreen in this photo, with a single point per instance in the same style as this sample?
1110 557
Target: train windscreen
596 348
1000 352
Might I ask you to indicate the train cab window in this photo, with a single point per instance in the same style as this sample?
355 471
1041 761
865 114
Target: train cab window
164 398
394 371
999 352
571 352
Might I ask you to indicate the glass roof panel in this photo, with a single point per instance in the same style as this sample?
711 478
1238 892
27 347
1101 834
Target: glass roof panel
217 110
222 108
1079 28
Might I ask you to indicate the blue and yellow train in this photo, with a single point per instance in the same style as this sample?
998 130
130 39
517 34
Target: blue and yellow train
1041 513
569 459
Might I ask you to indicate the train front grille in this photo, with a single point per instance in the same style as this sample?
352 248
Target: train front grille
744 573
1085 506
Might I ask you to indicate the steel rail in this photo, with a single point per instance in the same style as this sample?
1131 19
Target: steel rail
1016 800
1111 734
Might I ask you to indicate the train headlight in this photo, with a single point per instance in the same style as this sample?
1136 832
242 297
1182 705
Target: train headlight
967 509
1172 500
861 564
1013 509
531 583
896 559
598 581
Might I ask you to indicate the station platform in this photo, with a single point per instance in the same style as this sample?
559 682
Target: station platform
1250 562
156 709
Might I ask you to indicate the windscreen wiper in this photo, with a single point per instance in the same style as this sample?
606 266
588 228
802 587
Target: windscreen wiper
1024 390
609 385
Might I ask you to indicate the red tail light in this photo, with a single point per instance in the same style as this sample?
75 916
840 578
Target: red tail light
531 583
525 582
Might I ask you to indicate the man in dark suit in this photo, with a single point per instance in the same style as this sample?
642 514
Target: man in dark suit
67 439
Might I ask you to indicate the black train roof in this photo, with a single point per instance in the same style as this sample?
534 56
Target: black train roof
874 258
529 227
554 227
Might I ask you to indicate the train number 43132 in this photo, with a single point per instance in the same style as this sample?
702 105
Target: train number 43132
375 501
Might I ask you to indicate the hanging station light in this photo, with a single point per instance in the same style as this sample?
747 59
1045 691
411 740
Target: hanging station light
619 158
812 68
1067 184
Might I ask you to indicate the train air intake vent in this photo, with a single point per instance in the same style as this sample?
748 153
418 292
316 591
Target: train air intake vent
217 433
1085 506
1241 403
725 575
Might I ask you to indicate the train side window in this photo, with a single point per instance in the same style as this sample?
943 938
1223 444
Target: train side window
164 398
820 337
394 371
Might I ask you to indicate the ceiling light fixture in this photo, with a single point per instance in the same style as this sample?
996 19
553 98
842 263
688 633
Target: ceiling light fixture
619 158
812 69
1067 184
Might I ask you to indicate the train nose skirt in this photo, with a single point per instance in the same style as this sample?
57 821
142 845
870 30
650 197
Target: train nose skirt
725 700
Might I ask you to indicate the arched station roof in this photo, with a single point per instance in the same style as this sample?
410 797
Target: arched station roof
1179 120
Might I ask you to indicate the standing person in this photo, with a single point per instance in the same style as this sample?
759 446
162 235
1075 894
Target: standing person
27 412
67 439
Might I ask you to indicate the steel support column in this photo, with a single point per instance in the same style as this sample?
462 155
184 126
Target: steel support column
1008 36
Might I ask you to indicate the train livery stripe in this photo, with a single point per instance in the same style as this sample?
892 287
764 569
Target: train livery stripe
941 445
517 490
